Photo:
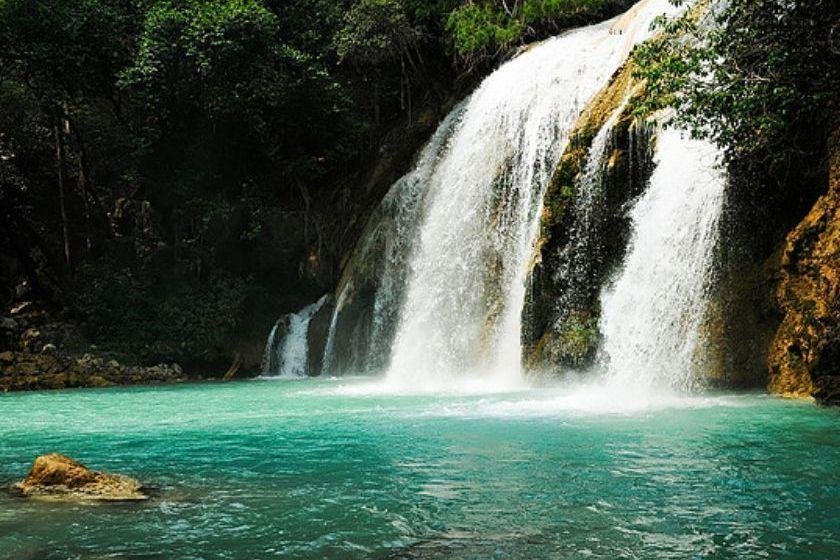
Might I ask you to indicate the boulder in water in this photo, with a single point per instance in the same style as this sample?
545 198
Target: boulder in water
58 477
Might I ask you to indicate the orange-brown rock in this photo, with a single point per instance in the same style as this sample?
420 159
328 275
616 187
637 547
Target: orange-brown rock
58 477
804 357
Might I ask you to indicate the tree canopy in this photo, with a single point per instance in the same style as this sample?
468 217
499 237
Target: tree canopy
761 77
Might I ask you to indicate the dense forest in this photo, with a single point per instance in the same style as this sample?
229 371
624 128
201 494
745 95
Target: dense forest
178 173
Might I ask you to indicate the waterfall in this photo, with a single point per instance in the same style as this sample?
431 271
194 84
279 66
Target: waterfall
378 265
289 356
403 203
461 313
653 313
329 346
270 345
580 257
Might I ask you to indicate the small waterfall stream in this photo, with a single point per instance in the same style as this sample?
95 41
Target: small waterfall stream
289 356
268 353
329 346
653 313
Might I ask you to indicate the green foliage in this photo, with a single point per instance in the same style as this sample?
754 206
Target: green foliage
549 12
484 29
376 32
64 49
758 76
223 65
140 313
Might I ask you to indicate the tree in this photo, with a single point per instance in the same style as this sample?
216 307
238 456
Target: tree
760 77
223 68
375 34
65 54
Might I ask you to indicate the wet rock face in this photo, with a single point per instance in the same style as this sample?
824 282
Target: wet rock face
804 356
575 253
58 477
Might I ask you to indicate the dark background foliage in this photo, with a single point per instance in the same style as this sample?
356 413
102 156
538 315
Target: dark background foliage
174 174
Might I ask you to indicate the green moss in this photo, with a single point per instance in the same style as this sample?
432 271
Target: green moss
578 335
571 342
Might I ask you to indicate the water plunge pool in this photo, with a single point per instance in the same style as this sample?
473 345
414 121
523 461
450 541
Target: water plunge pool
336 469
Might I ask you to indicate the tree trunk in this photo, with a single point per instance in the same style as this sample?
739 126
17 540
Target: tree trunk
82 184
376 102
96 218
59 161
307 206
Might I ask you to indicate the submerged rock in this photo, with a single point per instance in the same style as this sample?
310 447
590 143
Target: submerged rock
58 477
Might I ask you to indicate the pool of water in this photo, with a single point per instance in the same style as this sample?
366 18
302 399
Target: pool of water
338 469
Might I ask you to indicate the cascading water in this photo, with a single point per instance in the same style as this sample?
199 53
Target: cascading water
329 346
403 203
379 264
441 269
578 263
268 353
289 356
462 309
653 313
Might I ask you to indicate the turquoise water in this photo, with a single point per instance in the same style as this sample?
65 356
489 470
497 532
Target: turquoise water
332 469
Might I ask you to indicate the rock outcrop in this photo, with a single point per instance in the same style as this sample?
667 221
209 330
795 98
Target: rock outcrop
21 371
58 477
44 348
560 319
804 357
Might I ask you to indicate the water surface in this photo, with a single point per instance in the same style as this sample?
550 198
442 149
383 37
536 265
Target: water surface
335 469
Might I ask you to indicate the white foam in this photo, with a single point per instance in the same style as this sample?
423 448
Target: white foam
470 398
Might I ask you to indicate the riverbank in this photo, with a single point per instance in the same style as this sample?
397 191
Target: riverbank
26 371
43 348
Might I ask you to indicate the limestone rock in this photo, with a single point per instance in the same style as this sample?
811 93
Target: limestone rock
58 477
804 357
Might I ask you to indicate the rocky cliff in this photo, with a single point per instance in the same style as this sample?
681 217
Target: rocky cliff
804 357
